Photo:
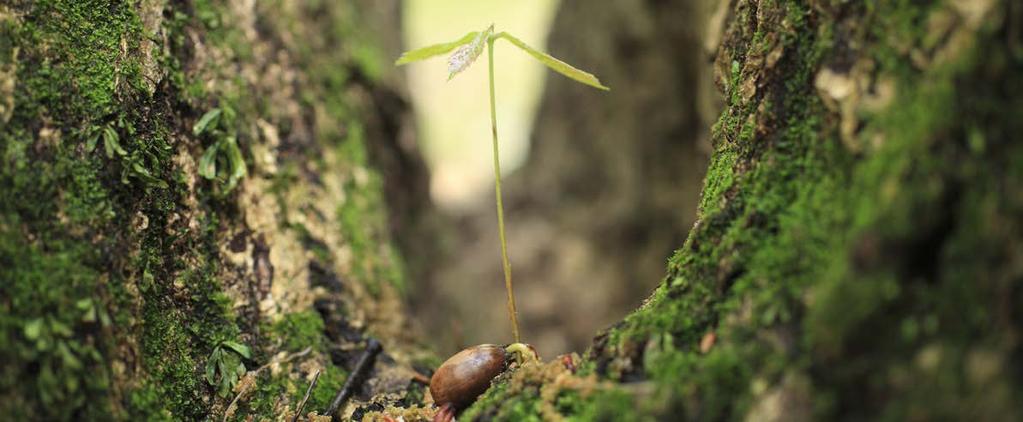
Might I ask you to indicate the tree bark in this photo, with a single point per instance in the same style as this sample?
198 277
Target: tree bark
135 274
856 250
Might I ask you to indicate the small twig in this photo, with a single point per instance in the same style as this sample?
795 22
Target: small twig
420 378
287 358
361 368
308 391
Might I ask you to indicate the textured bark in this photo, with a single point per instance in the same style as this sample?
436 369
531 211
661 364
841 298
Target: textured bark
131 286
856 253
856 250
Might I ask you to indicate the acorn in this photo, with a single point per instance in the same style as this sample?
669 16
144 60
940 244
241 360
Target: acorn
467 374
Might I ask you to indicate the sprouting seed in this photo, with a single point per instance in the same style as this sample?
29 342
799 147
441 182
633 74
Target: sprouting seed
469 48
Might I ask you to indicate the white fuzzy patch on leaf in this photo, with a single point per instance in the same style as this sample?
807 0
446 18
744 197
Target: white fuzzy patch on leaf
467 54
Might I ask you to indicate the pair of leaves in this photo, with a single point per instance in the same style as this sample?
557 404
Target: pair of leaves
46 332
471 46
225 367
226 148
111 142
92 312
232 160
142 173
210 119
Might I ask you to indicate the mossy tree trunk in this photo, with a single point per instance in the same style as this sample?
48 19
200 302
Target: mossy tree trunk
147 252
856 252
857 247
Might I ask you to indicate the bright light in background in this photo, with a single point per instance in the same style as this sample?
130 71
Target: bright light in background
454 116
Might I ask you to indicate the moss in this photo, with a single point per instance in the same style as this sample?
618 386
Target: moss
612 405
363 220
815 259
840 264
526 404
496 404
295 332
331 380
299 330
112 295
75 72
44 326
73 47
177 339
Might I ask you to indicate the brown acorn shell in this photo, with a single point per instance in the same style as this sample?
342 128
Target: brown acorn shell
467 374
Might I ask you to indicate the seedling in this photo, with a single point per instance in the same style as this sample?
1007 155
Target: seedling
225 367
466 375
469 48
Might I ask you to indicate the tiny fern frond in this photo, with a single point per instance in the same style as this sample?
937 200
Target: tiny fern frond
435 50
555 64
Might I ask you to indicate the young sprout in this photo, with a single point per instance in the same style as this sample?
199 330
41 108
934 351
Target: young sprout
469 48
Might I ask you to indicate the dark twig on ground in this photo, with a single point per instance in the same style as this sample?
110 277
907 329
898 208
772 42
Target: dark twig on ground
362 367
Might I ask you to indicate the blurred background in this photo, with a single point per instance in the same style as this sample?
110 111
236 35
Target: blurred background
599 186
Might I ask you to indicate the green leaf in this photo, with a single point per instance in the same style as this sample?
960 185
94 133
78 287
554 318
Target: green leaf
238 347
222 368
33 328
91 144
111 142
103 317
211 366
208 162
236 161
206 120
89 316
147 177
228 367
555 64
228 116
42 344
70 360
434 50
60 328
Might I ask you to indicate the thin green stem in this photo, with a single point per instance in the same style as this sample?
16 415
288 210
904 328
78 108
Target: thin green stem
500 207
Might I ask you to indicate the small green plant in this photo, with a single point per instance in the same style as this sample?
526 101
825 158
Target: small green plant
134 162
225 367
222 161
469 48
